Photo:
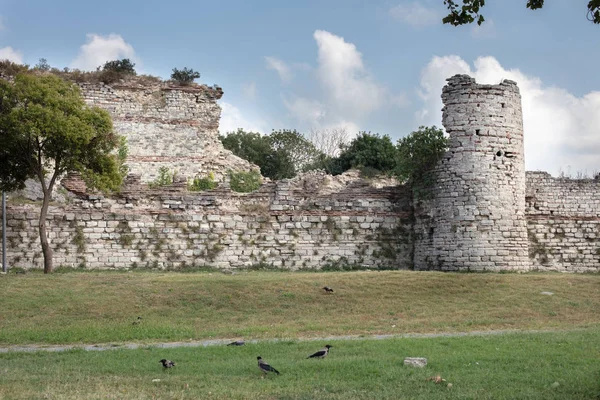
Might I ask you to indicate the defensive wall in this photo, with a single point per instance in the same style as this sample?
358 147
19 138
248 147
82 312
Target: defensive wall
483 213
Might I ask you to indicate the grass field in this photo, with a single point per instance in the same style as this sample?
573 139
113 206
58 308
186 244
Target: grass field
100 307
511 366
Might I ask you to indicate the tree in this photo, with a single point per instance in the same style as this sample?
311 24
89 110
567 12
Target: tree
184 76
124 66
279 155
329 142
418 153
46 129
369 151
468 12
300 151
43 65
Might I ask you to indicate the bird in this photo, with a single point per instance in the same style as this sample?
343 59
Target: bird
321 353
264 367
167 363
137 321
327 289
237 343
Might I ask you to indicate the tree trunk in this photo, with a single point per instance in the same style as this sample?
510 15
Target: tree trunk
46 249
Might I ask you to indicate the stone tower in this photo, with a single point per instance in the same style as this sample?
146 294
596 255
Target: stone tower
475 217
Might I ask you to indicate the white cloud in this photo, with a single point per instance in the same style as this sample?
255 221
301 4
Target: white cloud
305 110
232 119
351 89
8 53
562 131
249 90
416 14
100 49
281 67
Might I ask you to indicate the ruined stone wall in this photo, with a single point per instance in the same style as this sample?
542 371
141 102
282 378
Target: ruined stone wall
474 217
308 222
563 223
171 126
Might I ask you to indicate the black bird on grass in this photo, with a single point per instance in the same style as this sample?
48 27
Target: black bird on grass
321 353
264 367
237 343
167 363
327 289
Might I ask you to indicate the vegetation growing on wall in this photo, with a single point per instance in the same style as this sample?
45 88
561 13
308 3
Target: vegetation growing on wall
185 76
165 177
200 184
245 182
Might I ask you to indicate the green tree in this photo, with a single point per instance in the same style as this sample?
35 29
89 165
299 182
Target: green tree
184 76
251 146
43 65
299 150
124 66
46 129
275 163
369 152
467 11
418 153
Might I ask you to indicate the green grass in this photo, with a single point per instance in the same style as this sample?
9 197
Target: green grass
511 366
99 307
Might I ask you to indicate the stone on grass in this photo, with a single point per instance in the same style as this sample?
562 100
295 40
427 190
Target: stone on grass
415 361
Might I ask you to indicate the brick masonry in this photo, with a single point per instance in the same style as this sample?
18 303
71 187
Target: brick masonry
484 213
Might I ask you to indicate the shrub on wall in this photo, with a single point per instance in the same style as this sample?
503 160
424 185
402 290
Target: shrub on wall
164 178
184 76
245 182
200 184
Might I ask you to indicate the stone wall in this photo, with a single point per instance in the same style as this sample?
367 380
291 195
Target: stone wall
474 217
165 125
307 222
563 223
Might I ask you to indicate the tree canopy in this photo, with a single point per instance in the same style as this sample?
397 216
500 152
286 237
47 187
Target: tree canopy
280 155
418 153
369 151
468 11
46 130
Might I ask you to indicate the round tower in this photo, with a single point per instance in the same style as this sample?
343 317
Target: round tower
474 218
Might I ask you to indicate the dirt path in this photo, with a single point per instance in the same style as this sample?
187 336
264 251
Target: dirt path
218 342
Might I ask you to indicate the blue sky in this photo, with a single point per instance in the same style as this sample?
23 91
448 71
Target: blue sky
377 66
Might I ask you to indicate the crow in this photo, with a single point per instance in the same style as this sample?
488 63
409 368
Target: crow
321 353
264 367
327 289
167 363
237 343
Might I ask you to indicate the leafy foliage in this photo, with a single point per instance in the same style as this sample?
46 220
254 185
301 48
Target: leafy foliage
298 150
369 150
468 12
42 65
245 182
46 130
184 76
274 163
124 66
418 153
200 184
164 178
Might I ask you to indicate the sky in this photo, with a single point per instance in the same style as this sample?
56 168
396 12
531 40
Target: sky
369 65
